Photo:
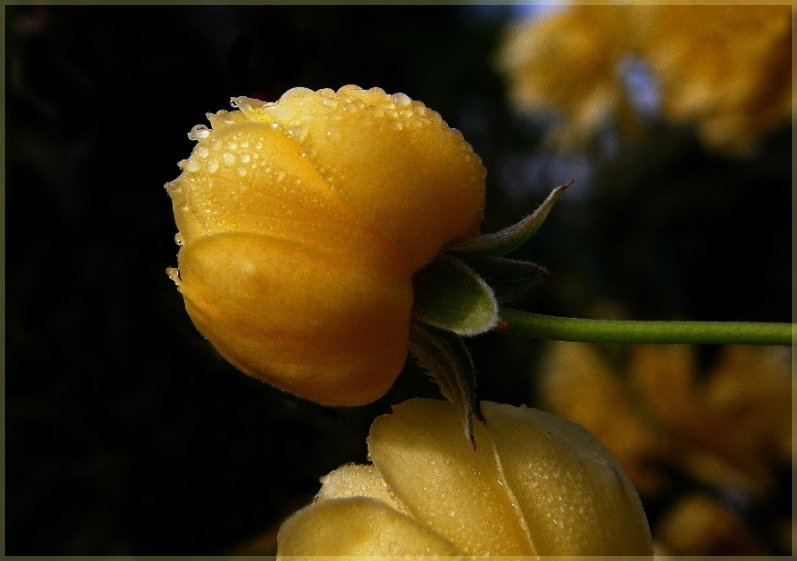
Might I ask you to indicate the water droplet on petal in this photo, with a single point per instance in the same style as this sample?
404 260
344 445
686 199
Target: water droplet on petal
401 99
174 274
213 166
228 159
198 132
178 239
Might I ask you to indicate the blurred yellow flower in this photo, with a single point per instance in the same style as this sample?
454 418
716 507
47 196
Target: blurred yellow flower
302 223
700 524
739 411
567 63
724 69
538 485
727 69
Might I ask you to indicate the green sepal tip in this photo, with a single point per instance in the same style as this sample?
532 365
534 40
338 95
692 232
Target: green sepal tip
511 238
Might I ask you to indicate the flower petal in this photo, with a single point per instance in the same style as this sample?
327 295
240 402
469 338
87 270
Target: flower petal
573 495
394 160
354 480
443 482
331 330
358 526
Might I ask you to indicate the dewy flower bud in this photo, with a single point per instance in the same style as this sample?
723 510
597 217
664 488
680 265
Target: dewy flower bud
302 224
537 485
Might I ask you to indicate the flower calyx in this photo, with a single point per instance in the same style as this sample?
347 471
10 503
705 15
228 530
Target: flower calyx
458 294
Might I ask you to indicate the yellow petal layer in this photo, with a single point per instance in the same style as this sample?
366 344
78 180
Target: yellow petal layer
433 470
358 526
331 330
574 496
394 160
354 480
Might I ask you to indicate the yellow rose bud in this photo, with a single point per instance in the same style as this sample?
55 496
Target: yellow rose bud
537 485
302 224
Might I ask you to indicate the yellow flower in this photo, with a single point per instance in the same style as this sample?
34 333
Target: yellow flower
737 414
723 69
700 524
538 485
567 63
302 224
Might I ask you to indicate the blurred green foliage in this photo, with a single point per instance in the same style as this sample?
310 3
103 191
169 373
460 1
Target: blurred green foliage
126 433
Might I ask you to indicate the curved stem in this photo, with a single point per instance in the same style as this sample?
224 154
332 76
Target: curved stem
538 326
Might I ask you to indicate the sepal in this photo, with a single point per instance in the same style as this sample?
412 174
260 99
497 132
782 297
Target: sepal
446 359
511 238
508 278
450 295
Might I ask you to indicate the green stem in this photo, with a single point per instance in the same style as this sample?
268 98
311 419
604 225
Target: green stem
538 326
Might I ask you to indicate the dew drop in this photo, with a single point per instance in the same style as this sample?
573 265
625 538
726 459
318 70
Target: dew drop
213 166
298 133
198 132
245 158
232 145
228 159
241 172
401 99
178 239
192 166
202 152
174 274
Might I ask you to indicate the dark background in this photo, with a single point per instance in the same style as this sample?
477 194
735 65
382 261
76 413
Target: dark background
126 434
